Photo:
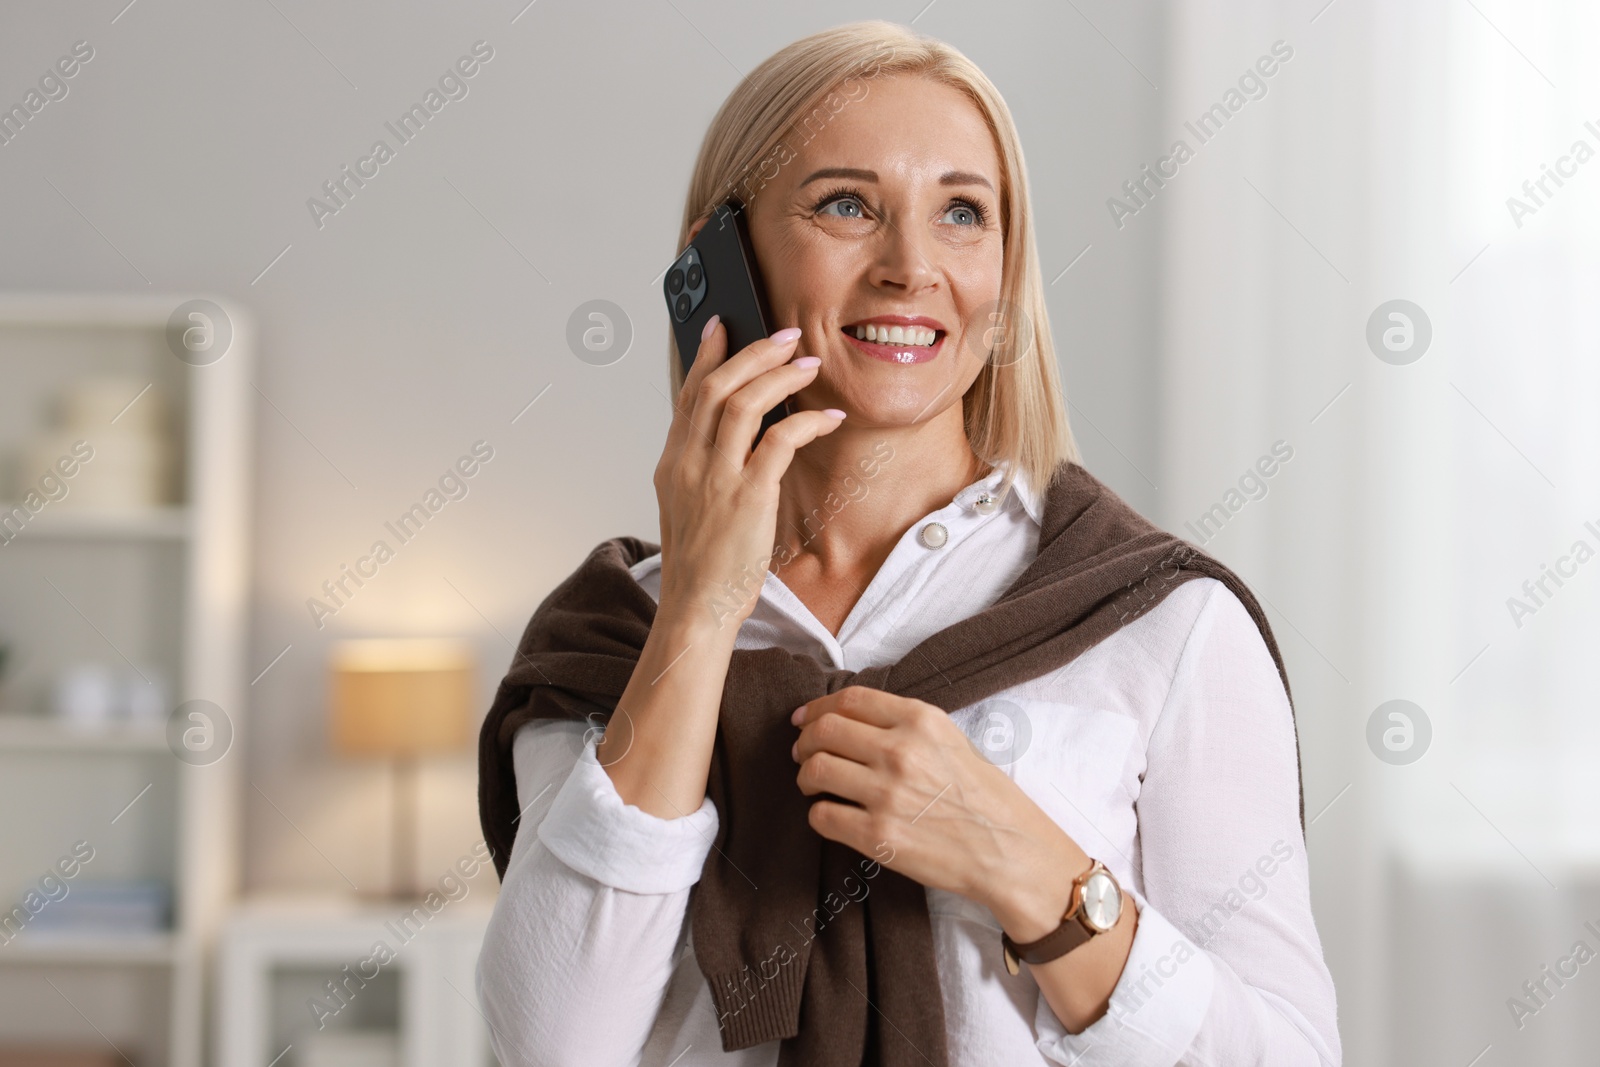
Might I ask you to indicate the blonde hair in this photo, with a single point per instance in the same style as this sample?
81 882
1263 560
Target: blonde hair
1015 411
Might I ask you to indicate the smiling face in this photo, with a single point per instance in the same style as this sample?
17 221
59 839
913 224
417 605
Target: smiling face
881 239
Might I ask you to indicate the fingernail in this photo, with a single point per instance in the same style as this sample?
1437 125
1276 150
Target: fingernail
806 361
835 412
711 324
794 752
795 718
786 335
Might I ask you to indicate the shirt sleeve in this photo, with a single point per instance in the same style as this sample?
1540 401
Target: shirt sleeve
1226 966
590 917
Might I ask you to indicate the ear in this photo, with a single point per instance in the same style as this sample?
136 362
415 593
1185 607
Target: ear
698 225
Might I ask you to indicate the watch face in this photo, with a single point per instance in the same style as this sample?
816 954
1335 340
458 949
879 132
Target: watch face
1102 901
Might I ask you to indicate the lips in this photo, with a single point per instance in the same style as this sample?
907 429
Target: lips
897 338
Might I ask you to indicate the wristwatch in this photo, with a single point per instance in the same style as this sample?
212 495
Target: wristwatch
1095 907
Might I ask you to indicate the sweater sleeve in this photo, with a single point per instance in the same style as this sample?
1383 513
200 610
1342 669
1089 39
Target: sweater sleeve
1226 965
590 916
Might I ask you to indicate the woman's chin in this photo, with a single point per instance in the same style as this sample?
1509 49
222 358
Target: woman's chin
886 410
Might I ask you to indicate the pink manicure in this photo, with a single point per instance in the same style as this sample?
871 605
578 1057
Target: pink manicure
806 361
835 412
786 335
711 324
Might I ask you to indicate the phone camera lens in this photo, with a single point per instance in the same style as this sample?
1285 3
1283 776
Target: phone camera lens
683 306
675 281
695 276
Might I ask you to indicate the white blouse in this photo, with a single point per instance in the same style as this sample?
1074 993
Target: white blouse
1167 751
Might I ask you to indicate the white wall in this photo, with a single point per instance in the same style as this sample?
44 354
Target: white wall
410 325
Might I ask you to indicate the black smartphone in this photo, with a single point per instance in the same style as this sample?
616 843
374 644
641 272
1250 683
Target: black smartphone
717 275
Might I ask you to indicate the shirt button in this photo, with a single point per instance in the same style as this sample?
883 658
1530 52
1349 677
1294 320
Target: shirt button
985 504
935 535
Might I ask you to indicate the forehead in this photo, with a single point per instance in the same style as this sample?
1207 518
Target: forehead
905 126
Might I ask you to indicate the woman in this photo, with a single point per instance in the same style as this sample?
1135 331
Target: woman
1034 794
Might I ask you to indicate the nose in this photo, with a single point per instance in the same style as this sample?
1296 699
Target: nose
903 264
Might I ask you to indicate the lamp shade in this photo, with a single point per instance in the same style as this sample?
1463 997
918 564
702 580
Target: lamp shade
400 697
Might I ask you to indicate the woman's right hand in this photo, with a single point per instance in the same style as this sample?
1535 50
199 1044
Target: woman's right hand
718 499
719 518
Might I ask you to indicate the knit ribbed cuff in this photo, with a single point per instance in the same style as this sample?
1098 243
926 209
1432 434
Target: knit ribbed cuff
752 1010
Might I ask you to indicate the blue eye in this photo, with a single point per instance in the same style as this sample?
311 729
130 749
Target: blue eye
849 208
963 215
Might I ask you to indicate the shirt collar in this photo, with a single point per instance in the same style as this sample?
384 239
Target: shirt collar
1021 489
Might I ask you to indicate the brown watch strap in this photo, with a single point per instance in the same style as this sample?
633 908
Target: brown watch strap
1057 943
1072 932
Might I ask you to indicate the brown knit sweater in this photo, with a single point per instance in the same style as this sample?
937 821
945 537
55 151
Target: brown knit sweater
826 988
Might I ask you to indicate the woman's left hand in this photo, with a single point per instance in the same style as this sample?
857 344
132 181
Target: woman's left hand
954 820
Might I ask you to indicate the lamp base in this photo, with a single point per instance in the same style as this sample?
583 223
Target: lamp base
403 831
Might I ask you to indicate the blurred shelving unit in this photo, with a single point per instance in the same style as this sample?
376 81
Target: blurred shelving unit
162 587
301 982
31 733
151 524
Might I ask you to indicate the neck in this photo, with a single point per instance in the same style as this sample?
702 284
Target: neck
849 497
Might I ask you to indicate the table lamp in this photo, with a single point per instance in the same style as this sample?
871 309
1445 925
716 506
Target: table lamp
401 699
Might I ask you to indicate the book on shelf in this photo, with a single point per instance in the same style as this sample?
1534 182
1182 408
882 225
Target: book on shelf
106 909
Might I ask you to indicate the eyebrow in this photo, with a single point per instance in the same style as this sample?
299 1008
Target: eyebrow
954 177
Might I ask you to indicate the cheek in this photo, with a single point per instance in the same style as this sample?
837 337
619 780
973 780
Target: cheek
816 269
975 283
975 275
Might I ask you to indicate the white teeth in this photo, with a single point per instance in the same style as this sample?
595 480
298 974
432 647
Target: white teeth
896 335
